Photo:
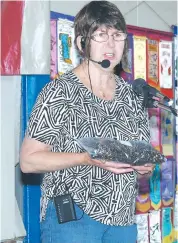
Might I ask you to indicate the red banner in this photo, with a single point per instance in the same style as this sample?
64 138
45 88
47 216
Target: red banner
11 23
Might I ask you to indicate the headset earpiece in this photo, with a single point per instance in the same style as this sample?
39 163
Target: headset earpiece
82 43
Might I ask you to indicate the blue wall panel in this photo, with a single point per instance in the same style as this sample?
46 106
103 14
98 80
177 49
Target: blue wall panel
31 86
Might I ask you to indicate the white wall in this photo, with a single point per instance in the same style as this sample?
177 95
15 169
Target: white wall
137 13
11 225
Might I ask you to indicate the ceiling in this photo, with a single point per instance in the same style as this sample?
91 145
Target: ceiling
154 14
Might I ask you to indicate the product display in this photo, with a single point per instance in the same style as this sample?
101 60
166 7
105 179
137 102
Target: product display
130 152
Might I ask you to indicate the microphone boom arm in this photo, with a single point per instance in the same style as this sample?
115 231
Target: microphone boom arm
157 104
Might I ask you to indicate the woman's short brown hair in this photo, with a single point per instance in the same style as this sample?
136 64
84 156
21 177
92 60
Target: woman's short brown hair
92 16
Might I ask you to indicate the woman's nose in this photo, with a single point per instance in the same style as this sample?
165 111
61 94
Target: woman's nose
111 41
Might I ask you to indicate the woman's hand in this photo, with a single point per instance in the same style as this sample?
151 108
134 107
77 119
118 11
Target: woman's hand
114 167
117 168
144 169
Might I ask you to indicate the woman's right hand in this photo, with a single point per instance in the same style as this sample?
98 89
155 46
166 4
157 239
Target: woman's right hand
117 168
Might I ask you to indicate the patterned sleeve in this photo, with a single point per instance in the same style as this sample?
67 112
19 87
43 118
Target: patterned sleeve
46 117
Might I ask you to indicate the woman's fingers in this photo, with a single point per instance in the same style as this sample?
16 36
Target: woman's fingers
146 169
144 172
143 168
119 171
119 168
112 164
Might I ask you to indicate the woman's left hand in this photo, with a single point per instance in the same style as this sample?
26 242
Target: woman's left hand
144 169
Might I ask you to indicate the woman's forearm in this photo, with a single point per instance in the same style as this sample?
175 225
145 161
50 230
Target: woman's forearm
47 161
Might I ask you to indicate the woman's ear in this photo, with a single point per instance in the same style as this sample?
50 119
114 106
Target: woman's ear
79 43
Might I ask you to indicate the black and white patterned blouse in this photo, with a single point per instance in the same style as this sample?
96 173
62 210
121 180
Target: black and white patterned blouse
66 110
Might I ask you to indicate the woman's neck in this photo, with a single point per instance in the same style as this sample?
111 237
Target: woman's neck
101 83
98 76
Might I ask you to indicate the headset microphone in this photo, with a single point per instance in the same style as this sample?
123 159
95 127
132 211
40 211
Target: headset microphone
105 63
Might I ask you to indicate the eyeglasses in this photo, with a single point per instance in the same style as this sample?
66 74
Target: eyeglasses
103 36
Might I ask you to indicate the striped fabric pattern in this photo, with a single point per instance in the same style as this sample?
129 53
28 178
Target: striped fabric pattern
66 110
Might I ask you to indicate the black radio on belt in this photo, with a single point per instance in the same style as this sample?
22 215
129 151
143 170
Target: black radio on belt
65 208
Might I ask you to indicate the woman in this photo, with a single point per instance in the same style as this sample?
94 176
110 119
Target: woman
89 101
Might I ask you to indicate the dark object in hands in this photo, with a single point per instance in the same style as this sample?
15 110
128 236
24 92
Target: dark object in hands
129 152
